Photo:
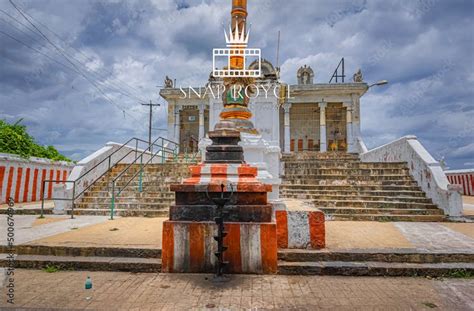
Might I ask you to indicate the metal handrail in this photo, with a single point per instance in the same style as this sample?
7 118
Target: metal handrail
110 165
163 150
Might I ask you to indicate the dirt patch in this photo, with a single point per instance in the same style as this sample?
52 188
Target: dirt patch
364 234
47 220
130 232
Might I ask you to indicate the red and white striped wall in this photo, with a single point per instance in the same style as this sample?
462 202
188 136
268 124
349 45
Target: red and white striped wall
22 179
190 247
300 229
464 178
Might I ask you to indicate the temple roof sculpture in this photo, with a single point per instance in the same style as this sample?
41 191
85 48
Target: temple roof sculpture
305 75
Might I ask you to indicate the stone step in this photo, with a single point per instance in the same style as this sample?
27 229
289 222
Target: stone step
125 205
356 197
371 204
375 217
345 172
379 211
127 212
366 193
355 177
126 200
133 193
380 255
374 268
348 187
135 183
27 211
350 182
345 165
85 263
47 250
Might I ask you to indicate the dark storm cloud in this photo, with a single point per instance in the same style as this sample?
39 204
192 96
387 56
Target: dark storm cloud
424 48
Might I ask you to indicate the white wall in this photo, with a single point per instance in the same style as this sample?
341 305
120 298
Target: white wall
424 169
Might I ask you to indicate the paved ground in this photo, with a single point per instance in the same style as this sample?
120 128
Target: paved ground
146 233
118 291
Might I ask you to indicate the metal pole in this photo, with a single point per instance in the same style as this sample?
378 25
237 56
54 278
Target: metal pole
140 176
162 155
73 198
149 126
42 199
112 202
136 148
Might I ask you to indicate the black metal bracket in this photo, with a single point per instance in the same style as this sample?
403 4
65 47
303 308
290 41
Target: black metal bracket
220 201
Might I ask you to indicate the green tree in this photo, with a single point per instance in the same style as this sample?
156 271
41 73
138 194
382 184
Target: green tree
15 139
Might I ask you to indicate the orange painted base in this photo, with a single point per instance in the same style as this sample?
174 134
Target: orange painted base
300 229
189 247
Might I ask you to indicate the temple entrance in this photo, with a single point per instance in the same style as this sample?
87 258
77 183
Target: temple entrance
189 129
305 127
336 127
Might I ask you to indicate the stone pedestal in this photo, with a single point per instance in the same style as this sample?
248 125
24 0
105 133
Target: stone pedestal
189 236
260 154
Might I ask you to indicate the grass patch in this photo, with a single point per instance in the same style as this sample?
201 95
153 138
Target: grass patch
51 269
460 273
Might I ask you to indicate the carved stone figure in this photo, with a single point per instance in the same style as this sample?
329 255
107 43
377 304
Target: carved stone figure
305 75
168 82
358 76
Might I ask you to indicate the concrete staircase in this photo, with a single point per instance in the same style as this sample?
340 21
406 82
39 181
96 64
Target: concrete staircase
347 189
153 201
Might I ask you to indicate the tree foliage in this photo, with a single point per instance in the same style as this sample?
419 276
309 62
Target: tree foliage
15 139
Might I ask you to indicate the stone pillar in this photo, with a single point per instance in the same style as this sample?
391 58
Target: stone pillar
177 123
349 133
201 121
322 131
287 139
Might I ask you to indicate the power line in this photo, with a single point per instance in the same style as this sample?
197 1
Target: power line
54 60
72 63
96 78
122 83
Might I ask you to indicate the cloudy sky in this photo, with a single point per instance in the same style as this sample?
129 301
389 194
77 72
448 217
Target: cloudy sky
109 56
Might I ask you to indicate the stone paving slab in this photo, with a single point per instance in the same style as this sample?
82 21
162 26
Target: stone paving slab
127 291
435 236
464 228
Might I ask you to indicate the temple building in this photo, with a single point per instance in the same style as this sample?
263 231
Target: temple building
305 116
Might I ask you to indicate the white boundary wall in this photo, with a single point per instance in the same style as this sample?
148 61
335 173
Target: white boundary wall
464 178
22 178
424 168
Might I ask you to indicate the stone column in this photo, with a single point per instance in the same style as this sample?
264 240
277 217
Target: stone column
177 123
349 133
201 121
287 139
322 130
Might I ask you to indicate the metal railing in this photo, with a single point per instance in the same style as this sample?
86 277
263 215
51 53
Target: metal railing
161 149
111 164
